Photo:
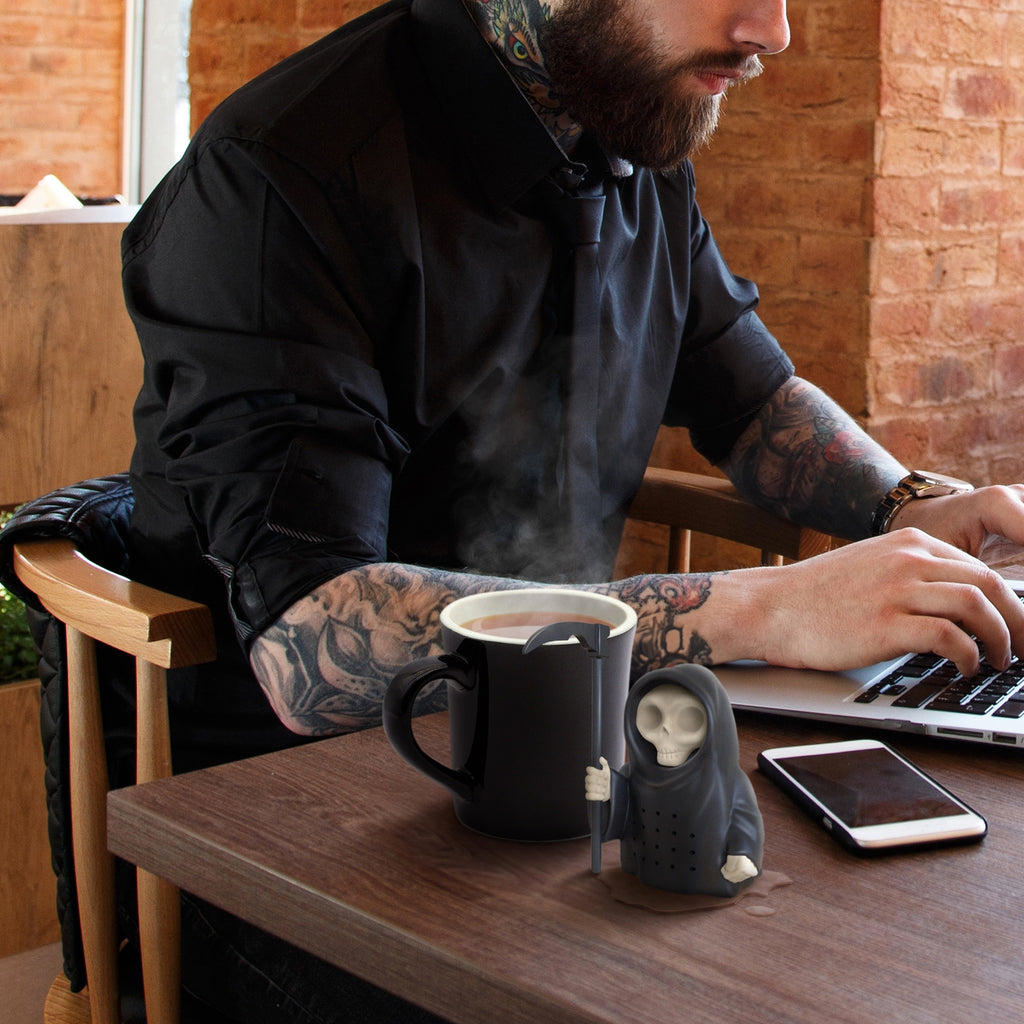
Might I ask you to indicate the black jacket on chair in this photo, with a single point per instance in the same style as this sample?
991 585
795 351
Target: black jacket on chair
95 514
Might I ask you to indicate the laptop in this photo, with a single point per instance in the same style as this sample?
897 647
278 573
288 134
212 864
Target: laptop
915 693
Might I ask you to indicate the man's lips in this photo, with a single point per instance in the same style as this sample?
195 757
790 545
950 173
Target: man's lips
717 80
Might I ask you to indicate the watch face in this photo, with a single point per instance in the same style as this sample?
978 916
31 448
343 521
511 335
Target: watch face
940 479
925 480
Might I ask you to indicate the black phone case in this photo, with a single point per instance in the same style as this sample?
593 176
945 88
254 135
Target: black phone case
839 831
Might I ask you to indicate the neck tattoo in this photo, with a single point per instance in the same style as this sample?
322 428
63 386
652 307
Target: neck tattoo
511 28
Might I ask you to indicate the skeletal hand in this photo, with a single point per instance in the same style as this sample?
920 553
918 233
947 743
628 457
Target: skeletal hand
599 782
738 868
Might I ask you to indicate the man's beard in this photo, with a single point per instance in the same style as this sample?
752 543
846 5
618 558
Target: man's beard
623 92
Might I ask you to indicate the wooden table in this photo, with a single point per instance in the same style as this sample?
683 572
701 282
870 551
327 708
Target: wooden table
341 848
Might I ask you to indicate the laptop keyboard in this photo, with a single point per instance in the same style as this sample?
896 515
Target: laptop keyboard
932 682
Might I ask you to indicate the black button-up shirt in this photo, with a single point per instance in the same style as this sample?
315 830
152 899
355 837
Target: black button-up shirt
369 332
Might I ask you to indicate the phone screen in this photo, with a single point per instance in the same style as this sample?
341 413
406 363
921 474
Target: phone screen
869 787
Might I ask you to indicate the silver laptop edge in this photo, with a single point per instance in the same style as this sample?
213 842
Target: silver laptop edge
830 697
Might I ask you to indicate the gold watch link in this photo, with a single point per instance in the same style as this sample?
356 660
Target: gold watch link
916 484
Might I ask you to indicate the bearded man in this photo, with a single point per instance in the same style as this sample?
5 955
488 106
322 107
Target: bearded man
414 305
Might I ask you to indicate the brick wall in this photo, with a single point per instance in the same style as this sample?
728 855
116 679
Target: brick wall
871 181
786 187
60 94
234 40
946 359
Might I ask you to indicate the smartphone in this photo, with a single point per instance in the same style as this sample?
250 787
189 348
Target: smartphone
870 798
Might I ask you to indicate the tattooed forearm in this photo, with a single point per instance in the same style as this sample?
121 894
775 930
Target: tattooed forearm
664 635
324 665
806 459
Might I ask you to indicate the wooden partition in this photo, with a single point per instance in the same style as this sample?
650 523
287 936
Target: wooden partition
28 891
69 371
70 364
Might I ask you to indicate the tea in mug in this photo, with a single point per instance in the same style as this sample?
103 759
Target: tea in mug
522 625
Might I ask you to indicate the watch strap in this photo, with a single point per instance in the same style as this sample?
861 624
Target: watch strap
914 485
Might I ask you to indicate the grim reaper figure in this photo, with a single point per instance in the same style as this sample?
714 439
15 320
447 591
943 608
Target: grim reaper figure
684 811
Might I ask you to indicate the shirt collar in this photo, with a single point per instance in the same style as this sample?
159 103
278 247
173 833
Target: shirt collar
508 146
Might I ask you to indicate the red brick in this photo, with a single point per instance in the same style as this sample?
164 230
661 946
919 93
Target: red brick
945 32
1015 39
844 29
269 15
973 316
843 147
259 56
767 257
1011 258
898 324
1009 371
1013 151
933 378
912 91
905 206
912 149
967 434
833 263
1005 469
974 205
21 31
845 88
804 203
979 94
912 30
755 139
906 437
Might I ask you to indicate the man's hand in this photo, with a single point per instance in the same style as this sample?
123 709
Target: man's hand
738 868
965 520
599 782
882 597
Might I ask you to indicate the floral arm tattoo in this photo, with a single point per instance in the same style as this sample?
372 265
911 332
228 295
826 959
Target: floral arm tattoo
661 603
806 459
324 665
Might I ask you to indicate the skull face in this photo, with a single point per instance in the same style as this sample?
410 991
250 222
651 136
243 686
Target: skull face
672 719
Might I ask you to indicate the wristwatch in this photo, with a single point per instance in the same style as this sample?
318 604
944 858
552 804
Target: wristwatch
916 484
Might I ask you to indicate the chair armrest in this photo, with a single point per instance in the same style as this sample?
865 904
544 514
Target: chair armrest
147 623
706 504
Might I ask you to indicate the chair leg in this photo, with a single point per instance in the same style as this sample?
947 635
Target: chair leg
94 866
679 541
160 939
159 903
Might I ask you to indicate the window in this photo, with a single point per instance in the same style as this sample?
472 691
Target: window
156 92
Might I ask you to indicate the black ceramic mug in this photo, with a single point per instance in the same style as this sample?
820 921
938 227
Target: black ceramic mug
520 722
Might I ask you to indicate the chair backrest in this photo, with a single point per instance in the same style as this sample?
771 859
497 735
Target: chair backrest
693 502
159 631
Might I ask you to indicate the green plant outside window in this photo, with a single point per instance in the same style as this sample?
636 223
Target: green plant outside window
17 651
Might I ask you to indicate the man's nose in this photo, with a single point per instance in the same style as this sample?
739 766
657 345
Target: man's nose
761 26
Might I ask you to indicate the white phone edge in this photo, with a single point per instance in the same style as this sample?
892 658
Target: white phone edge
966 826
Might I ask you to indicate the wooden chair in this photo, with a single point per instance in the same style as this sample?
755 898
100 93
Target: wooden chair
159 631
693 502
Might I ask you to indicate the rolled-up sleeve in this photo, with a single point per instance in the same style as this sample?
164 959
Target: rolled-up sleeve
261 418
729 364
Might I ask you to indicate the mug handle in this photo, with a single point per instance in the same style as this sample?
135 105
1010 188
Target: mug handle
397 717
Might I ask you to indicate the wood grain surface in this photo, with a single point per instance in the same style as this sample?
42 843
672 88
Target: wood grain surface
70 363
28 893
342 849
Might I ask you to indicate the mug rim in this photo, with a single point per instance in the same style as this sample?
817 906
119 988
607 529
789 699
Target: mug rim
627 613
